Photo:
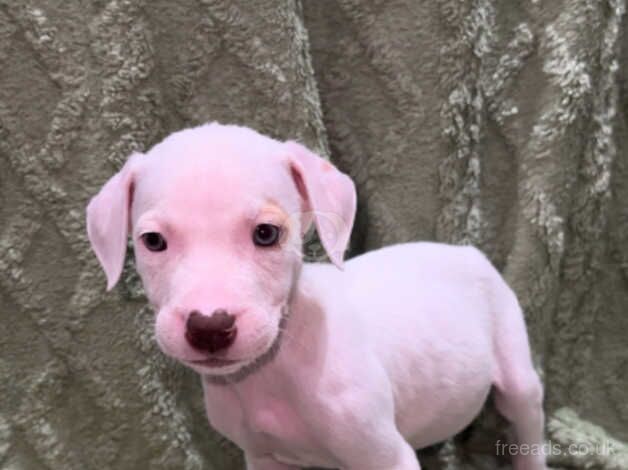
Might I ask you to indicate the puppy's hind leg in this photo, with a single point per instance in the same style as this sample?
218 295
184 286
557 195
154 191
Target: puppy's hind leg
519 399
518 389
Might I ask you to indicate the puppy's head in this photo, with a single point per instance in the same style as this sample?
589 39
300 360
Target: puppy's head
217 214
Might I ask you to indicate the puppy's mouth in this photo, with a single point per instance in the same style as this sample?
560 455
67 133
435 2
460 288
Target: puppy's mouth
224 371
213 362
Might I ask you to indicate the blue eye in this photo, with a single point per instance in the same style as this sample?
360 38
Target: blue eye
266 235
154 241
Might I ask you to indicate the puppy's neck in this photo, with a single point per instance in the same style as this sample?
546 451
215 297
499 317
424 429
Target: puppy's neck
305 329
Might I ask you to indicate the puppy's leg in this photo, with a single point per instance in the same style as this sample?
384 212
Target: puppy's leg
518 390
358 426
519 399
396 454
364 435
265 463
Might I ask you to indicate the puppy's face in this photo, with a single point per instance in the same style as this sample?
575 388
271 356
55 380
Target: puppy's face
217 232
216 215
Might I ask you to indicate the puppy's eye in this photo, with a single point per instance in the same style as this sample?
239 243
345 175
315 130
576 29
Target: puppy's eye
154 241
266 235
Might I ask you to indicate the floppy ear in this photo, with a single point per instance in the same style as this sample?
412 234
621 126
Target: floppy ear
329 197
108 221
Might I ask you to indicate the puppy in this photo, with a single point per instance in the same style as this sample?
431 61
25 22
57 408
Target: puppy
349 366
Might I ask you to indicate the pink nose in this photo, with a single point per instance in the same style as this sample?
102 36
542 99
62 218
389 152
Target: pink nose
210 333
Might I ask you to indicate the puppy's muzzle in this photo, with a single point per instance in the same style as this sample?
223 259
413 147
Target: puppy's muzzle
210 333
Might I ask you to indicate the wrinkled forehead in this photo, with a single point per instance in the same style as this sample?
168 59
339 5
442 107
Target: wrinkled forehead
213 180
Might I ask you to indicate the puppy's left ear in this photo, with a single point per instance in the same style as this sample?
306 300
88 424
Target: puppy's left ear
108 221
329 198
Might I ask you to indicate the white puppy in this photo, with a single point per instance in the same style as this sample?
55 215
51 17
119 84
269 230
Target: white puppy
308 364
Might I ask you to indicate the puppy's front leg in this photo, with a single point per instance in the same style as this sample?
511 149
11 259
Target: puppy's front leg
394 455
355 419
362 435
265 463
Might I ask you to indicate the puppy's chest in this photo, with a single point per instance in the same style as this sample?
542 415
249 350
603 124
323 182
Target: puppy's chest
269 426
272 420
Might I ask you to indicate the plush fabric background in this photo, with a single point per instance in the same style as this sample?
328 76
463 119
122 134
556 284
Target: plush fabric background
497 123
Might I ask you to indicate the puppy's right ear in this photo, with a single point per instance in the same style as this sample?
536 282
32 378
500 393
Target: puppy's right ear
108 220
